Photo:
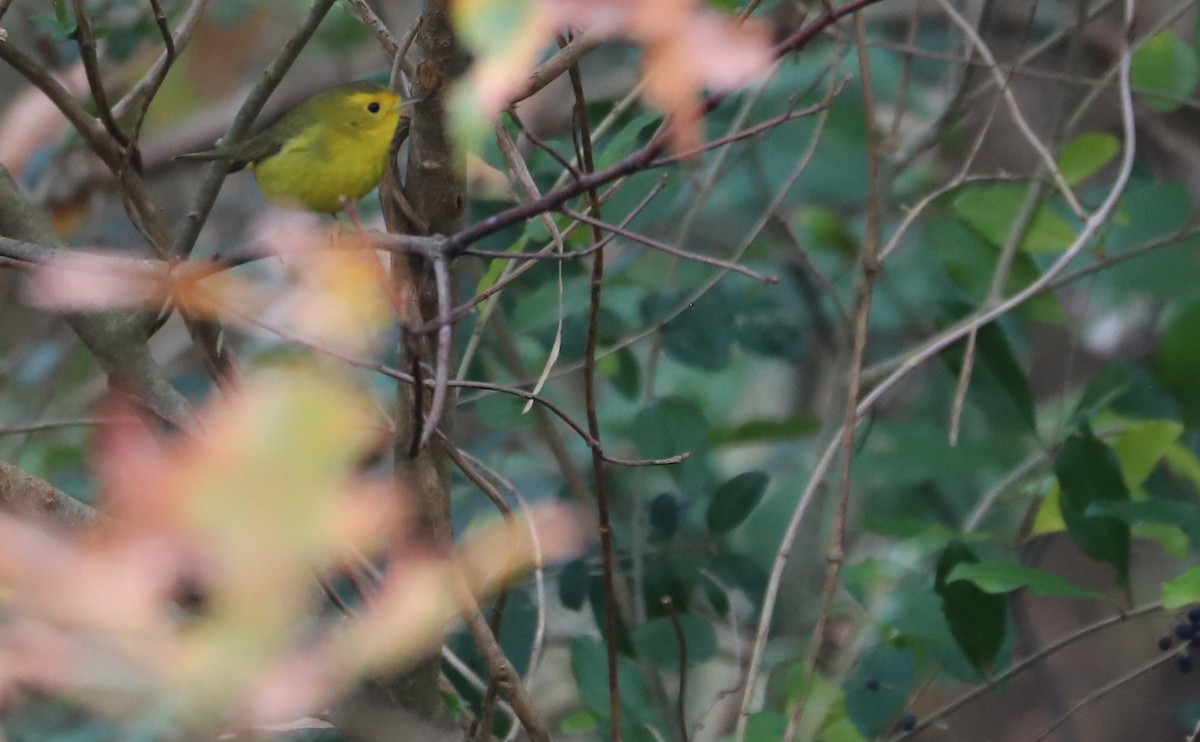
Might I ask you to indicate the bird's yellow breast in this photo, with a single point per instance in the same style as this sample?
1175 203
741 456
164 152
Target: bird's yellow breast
319 167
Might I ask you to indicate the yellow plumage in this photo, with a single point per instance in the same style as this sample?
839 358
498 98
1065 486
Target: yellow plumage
332 146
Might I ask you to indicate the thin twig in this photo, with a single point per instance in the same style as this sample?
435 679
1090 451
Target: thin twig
441 368
554 67
681 644
85 40
869 264
42 425
589 393
145 88
664 247
542 145
1104 690
363 11
1014 108
453 384
547 253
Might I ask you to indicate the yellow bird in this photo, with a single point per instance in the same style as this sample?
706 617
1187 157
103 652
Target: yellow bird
331 147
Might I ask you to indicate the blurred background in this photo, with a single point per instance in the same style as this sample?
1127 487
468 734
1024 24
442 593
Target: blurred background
750 378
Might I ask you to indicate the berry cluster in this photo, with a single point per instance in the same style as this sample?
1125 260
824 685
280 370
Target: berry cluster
1188 632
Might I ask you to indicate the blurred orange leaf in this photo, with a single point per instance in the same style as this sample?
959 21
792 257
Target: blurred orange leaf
255 499
686 47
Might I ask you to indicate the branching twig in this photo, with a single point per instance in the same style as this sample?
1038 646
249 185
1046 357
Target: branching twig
604 525
441 368
668 249
681 644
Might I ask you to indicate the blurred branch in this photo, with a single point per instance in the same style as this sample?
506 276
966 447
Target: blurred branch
25 493
500 668
371 20
142 212
668 249
42 425
599 475
85 40
145 88
869 267
554 67
114 338
153 81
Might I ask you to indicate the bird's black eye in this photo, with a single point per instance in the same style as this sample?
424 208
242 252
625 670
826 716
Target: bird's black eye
373 107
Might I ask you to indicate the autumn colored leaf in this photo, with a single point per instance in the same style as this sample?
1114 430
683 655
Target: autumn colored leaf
258 497
686 49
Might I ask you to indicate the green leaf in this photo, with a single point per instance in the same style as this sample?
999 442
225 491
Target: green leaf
1142 446
827 228
588 665
1089 471
573 584
872 710
734 500
1103 390
918 532
1183 515
766 726
823 703
656 639
666 577
1001 577
1086 154
1183 590
669 426
579 722
627 379
1163 64
703 335
998 384
991 211
663 514
970 262
1178 364
977 619
764 430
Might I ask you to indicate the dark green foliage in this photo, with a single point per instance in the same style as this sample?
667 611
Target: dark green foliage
734 500
977 619
1089 472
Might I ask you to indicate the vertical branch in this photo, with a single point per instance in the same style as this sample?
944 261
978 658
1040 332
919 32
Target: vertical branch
86 41
862 321
862 317
435 192
589 393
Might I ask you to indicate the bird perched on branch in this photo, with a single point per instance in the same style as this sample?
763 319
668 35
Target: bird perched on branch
330 148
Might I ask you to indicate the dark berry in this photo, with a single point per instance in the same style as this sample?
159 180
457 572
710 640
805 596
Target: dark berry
1185 662
1164 643
872 683
908 722
1185 631
1194 615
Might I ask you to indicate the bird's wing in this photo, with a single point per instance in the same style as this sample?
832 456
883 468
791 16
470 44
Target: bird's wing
241 153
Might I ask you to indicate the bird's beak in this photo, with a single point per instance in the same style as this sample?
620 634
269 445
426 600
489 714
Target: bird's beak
408 102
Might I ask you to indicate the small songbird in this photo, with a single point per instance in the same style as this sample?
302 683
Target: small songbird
331 147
